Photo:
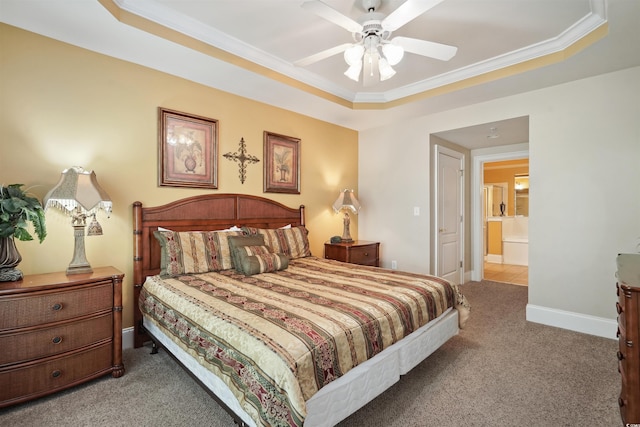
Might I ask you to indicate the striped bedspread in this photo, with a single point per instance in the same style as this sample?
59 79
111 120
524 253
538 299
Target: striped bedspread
275 339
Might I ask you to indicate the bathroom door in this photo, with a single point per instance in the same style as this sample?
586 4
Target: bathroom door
449 215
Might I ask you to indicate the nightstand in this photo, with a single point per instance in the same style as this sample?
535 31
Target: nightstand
58 331
357 252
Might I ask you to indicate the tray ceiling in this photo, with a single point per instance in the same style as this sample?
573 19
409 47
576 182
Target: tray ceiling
491 35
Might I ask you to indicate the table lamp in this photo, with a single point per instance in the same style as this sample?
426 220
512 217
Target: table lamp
79 195
346 202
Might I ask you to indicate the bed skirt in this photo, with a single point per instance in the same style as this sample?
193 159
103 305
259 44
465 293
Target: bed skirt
358 387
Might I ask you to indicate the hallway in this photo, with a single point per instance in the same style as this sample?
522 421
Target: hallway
516 274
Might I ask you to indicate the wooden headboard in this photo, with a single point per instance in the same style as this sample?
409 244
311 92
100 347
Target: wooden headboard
199 213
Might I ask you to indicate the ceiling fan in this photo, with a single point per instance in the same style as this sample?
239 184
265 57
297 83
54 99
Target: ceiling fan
373 49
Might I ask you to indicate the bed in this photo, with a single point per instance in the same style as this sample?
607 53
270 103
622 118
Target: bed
278 339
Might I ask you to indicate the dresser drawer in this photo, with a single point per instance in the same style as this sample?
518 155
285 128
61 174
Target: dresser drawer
623 403
356 252
31 380
627 346
364 255
622 327
42 307
32 344
621 307
622 366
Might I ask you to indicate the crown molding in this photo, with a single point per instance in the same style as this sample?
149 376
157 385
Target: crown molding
589 29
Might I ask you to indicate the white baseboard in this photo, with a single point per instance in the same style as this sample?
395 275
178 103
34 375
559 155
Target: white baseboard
494 259
127 338
584 323
467 276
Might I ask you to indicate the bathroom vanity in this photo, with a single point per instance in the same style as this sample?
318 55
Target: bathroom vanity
508 240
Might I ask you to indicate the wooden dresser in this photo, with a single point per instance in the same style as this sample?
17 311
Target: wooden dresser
57 331
356 252
628 306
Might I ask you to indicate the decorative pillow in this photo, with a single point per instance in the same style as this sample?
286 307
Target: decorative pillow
292 242
259 259
194 251
236 242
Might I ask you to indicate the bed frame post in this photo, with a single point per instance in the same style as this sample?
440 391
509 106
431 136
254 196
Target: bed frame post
139 336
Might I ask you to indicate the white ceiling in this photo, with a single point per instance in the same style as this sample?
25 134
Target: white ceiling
265 38
278 32
502 132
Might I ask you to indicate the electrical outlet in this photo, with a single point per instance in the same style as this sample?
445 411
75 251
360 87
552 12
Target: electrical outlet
394 265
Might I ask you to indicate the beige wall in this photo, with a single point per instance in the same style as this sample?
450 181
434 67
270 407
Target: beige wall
63 106
584 203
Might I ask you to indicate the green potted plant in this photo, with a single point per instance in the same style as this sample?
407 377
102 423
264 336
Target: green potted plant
17 210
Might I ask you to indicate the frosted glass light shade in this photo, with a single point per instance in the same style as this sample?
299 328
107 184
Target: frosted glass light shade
354 71
393 53
353 54
386 72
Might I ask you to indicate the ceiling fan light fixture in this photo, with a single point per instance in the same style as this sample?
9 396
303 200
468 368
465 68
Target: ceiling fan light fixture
393 53
371 34
386 72
353 54
353 72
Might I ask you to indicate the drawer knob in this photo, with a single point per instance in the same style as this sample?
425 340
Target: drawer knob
56 373
57 306
366 254
56 340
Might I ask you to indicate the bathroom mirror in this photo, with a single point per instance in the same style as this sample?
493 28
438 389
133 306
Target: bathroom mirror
521 186
496 193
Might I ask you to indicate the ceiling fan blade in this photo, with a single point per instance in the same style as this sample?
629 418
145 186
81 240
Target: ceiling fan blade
439 51
406 12
321 55
332 15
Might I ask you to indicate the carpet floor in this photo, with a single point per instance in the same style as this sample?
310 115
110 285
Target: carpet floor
499 371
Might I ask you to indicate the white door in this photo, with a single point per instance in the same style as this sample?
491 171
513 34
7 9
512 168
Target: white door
449 215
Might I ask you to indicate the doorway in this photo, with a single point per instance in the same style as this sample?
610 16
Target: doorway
497 271
506 139
506 221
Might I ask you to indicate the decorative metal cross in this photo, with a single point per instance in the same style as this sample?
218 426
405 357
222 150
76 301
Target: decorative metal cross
242 158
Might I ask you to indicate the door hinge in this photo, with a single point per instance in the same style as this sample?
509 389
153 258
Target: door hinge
460 264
